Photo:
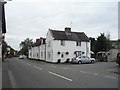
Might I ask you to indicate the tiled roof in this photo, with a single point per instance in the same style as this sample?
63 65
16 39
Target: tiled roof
74 36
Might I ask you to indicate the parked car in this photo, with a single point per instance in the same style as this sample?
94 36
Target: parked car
24 56
83 59
118 59
21 57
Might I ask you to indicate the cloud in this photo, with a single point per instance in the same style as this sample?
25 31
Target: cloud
28 19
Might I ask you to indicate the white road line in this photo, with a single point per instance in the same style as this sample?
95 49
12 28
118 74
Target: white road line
28 64
95 74
110 77
83 72
60 76
12 80
65 68
37 67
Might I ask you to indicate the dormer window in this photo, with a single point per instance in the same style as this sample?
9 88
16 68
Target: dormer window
62 42
78 43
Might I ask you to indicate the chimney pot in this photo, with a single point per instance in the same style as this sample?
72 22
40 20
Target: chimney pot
68 30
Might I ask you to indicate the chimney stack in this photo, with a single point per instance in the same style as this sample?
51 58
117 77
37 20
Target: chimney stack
37 40
68 30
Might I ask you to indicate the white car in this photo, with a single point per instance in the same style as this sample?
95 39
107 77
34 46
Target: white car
83 59
21 57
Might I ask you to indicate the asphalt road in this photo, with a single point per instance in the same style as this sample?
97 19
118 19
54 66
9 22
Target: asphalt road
26 73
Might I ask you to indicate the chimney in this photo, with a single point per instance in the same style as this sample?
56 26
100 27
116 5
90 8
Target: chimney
37 40
68 30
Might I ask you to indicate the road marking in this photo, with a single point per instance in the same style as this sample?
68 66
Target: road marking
83 72
65 68
110 77
37 67
28 64
60 76
12 80
95 74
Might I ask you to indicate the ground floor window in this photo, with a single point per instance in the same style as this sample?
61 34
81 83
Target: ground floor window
41 54
77 53
37 54
49 55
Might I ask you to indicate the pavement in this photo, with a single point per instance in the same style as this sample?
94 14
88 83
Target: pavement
26 73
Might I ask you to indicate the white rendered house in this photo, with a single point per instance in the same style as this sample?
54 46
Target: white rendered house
61 46
38 50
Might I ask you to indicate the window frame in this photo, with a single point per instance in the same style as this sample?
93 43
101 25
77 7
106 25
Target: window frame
78 43
62 42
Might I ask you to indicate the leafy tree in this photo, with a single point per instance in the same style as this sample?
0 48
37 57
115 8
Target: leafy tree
24 46
4 49
102 43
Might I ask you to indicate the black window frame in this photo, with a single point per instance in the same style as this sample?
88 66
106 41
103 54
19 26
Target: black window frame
78 43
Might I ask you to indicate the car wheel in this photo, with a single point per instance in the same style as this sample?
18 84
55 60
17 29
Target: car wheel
79 62
92 61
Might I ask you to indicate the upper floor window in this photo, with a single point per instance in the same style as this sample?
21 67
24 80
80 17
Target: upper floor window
78 43
49 43
62 43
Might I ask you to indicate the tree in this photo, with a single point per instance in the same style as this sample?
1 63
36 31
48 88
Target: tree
4 49
102 43
24 45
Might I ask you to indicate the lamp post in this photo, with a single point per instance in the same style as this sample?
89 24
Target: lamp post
2 24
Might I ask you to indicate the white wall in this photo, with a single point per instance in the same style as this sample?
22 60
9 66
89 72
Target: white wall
42 52
49 48
30 53
35 52
70 46
113 54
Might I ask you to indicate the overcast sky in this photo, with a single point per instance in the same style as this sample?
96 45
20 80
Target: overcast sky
33 18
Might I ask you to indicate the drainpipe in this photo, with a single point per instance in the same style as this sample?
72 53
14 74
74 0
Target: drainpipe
86 49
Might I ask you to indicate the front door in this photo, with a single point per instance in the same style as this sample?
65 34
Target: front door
62 57
78 53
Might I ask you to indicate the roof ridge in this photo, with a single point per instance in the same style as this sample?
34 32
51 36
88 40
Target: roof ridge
64 31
